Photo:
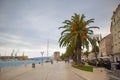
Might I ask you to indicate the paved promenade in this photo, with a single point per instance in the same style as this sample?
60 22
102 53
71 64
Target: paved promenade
47 71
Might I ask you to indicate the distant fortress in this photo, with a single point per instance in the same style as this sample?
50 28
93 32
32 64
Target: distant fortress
57 55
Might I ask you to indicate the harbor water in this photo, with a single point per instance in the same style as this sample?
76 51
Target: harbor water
11 63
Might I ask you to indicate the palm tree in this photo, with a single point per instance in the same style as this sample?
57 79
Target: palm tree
95 46
69 53
75 34
63 56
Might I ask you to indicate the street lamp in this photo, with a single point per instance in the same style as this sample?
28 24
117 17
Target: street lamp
42 56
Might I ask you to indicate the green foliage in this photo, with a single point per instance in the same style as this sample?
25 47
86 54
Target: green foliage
75 35
86 53
95 44
85 68
95 49
63 56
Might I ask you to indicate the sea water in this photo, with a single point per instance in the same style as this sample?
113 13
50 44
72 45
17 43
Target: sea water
18 62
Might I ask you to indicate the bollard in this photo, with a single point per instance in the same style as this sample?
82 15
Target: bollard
0 69
51 61
33 65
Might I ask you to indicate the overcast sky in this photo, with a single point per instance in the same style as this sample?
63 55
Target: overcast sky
27 25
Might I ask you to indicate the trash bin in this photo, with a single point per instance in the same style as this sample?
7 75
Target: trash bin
33 65
51 61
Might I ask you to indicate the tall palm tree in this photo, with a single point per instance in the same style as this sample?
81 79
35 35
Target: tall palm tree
75 34
95 41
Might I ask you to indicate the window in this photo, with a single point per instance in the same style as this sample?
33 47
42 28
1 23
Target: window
119 34
115 44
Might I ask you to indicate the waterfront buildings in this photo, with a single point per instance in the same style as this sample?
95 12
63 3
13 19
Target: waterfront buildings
115 31
110 44
105 47
91 56
13 57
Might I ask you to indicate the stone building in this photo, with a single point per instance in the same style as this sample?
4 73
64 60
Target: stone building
105 48
91 56
115 31
57 55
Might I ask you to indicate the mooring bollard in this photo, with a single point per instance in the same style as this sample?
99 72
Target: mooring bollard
0 69
51 61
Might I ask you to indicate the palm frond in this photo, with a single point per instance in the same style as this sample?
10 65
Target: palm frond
89 21
65 31
93 27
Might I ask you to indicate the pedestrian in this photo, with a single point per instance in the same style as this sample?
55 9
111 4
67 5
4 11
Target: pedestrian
65 60
97 63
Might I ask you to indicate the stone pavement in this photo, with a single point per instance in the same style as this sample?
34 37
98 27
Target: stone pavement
47 71
97 74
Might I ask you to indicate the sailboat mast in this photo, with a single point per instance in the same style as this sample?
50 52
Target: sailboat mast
47 47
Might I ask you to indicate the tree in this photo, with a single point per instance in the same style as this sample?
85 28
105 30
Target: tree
63 56
75 34
68 53
95 41
86 53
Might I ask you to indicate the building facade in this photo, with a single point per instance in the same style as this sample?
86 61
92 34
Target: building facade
115 31
91 56
57 55
105 48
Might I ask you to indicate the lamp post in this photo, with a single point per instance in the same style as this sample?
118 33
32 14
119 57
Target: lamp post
42 56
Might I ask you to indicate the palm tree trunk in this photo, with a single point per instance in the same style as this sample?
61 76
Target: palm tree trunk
75 57
78 56
78 50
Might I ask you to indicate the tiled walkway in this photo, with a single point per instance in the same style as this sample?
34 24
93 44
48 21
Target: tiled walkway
56 71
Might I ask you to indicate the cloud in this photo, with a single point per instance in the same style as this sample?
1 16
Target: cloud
27 25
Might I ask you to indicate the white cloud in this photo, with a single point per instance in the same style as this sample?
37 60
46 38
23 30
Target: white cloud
27 25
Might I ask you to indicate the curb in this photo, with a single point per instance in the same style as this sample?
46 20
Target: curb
83 78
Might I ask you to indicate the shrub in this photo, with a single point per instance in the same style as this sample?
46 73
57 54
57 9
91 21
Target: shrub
85 68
